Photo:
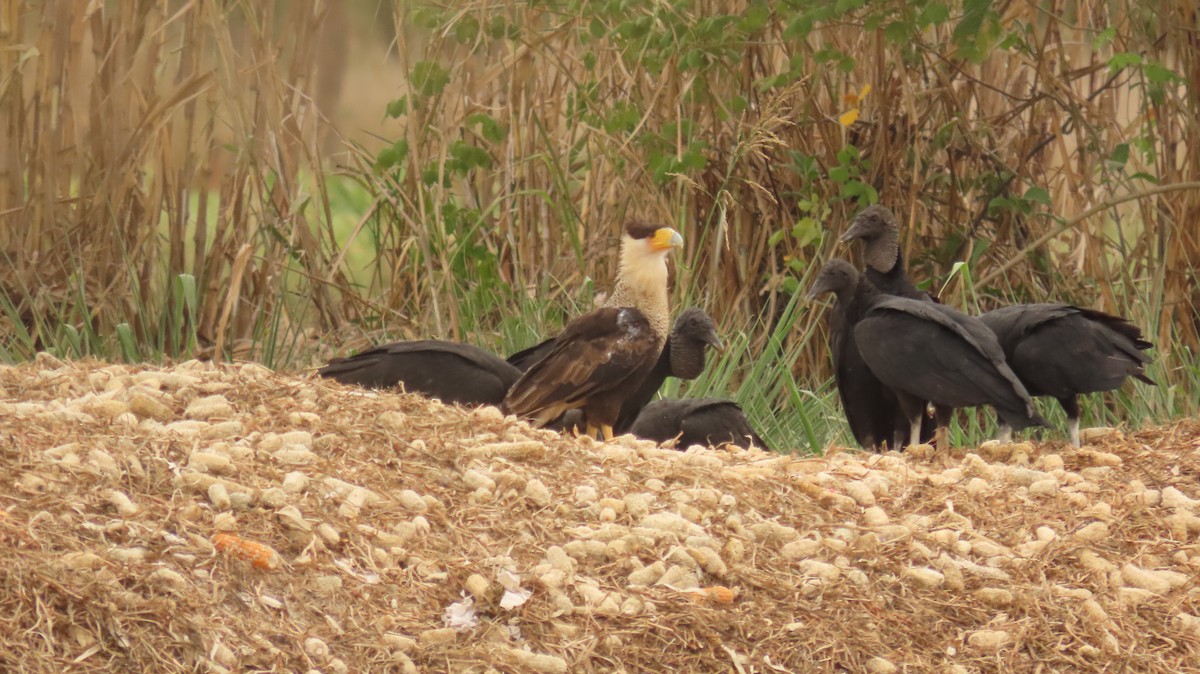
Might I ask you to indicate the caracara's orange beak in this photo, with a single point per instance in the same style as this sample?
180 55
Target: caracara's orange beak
665 239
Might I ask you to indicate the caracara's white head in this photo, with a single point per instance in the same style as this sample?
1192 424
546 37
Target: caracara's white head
642 277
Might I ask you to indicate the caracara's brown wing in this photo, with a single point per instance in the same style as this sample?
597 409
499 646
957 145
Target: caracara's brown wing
596 354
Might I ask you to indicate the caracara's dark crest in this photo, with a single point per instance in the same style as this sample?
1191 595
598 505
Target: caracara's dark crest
641 230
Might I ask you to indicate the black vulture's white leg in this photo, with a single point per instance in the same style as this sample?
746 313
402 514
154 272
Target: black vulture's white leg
1070 405
1004 433
914 431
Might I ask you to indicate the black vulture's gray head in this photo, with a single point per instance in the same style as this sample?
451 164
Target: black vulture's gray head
877 228
837 277
693 333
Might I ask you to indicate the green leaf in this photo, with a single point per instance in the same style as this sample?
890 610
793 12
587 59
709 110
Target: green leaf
429 78
775 238
933 13
597 29
1123 60
464 157
1157 73
398 107
799 27
128 343
1120 155
848 155
755 18
839 174
806 230
1038 194
466 30
898 32
846 6
491 129
1104 37
974 12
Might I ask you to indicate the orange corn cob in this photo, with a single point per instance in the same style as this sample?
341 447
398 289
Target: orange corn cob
717 594
259 555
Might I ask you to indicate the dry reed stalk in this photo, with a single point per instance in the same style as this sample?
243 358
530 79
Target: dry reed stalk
113 169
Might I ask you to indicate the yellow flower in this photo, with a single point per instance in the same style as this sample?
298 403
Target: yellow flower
853 100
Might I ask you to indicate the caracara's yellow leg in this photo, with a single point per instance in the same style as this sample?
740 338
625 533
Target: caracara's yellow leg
591 431
607 432
941 437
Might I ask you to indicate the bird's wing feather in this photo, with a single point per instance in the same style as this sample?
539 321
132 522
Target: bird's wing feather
594 353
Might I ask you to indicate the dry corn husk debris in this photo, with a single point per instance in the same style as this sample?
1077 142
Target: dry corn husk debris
225 518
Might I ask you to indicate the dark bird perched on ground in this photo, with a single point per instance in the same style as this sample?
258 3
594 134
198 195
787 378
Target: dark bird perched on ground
452 372
696 421
1062 351
927 351
683 357
871 409
601 358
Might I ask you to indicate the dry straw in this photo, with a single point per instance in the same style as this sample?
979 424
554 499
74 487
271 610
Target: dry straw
395 518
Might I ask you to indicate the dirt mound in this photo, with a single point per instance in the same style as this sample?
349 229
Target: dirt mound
226 518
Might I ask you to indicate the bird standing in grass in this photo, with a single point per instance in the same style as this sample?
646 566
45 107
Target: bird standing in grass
1061 350
601 358
925 351
871 408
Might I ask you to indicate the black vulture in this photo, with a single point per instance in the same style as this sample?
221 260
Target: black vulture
601 358
871 408
696 421
927 351
449 371
682 357
876 227
1060 350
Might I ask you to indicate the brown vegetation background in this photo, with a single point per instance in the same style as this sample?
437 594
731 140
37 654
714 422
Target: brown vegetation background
143 140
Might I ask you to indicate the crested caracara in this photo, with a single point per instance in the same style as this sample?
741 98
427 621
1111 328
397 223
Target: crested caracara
602 357
683 357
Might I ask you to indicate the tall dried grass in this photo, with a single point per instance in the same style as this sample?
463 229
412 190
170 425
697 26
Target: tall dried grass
146 141
981 157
